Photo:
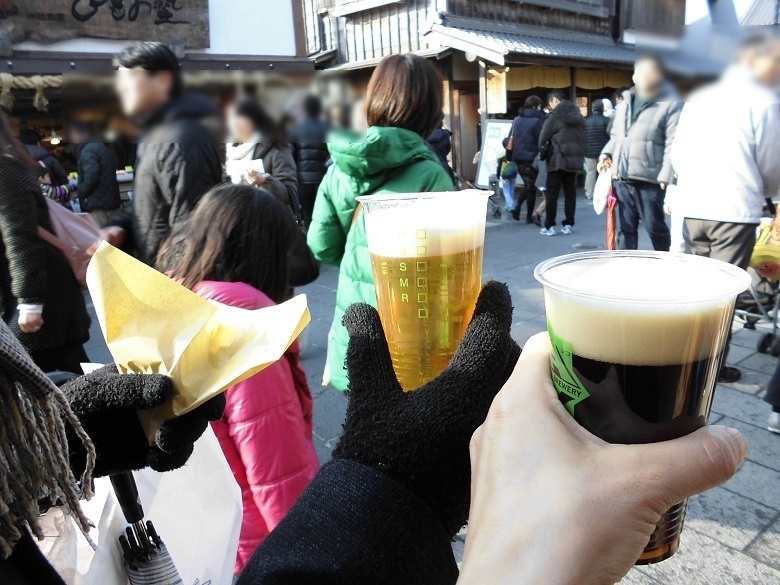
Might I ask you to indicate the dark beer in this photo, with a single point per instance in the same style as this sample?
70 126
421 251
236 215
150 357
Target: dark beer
646 404
637 342
643 404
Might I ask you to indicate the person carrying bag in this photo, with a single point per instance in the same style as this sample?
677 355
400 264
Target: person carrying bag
74 234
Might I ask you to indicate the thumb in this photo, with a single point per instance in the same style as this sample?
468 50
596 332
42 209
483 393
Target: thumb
677 469
368 358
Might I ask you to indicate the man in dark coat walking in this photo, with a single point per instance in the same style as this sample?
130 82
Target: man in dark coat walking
564 129
309 142
178 160
97 188
596 137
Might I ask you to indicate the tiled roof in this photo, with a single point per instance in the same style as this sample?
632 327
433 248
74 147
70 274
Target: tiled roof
537 42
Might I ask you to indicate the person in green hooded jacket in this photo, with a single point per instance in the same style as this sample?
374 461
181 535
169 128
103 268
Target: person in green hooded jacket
403 107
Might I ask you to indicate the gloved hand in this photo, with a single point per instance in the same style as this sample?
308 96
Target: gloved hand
421 438
107 402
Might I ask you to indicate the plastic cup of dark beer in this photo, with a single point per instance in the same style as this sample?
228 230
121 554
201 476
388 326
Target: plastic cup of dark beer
426 258
637 345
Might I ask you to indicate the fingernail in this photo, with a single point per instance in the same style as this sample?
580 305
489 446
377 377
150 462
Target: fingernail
739 445
733 432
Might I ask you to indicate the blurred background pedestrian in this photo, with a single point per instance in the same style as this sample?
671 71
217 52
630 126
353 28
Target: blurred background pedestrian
310 150
726 170
526 130
563 136
639 152
40 298
97 187
404 106
177 160
256 137
596 138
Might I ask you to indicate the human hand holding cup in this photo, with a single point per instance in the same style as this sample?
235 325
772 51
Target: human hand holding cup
637 345
553 503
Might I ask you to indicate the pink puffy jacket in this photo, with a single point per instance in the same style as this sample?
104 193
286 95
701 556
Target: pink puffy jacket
265 431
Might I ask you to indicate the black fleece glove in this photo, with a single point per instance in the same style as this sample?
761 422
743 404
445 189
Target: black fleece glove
107 402
421 438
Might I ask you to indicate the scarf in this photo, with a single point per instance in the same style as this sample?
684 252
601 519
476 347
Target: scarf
237 155
34 462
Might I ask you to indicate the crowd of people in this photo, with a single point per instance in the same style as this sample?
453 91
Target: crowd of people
247 226
648 145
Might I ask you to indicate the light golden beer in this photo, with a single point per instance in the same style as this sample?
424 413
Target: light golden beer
426 257
426 305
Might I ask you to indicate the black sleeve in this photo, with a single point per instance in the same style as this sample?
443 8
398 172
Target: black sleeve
58 174
89 171
353 524
282 179
546 131
302 266
24 248
125 219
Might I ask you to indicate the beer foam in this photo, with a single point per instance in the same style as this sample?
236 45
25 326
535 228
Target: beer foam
448 223
641 311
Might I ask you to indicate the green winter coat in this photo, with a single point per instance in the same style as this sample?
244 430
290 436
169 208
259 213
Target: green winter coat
387 160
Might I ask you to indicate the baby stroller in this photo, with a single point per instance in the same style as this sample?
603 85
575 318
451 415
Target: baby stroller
495 199
762 300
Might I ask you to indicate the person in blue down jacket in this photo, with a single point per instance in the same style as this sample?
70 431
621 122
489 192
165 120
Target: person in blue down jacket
525 148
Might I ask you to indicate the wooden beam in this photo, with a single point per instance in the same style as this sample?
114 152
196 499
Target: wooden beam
299 28
483 93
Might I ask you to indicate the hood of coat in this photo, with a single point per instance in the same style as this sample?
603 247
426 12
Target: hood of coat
38 152
234 294
567 113
439 135
80 146
369 160
534 113
666 93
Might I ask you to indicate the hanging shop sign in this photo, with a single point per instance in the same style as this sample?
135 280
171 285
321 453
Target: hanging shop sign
496 91
184 22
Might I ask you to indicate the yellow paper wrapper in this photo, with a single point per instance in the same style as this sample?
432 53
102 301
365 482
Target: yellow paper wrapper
153 325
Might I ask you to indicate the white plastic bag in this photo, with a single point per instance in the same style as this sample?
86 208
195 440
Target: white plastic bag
601 191
196 510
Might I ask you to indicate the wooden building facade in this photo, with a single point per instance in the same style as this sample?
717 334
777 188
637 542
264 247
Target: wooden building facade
523 46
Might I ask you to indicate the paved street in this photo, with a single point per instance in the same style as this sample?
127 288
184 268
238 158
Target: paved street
732 534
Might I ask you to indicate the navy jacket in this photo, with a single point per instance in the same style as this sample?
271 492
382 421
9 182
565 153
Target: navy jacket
596 135
97 186
310 150
526 130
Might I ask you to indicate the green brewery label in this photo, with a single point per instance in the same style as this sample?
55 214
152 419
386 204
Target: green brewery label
563 376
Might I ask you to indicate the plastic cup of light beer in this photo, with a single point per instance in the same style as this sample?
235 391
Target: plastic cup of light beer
637 344
426 257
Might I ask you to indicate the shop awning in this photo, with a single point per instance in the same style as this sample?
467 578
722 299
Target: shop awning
497 43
